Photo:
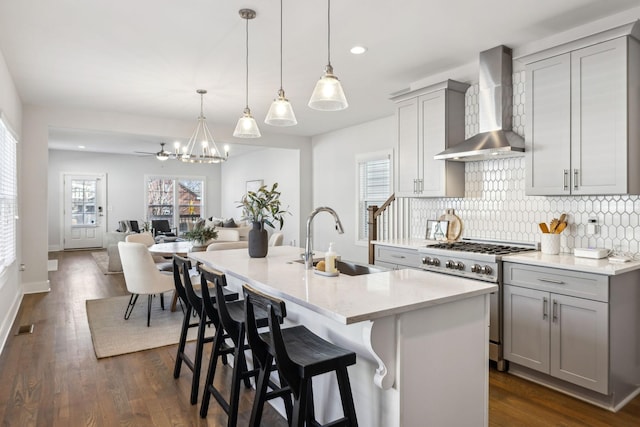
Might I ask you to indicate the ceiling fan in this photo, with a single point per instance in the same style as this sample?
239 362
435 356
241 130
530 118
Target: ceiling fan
160 155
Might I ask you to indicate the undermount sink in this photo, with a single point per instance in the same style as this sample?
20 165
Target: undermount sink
351 268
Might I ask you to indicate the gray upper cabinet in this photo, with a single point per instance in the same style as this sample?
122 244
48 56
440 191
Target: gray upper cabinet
428 121
582 136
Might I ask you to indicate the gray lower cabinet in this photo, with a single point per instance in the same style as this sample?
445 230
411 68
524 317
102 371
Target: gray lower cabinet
397 258
560 335
575 331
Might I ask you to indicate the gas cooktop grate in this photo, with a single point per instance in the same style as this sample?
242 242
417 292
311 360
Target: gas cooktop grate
482 248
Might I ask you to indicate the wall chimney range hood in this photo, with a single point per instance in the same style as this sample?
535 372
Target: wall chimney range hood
495 138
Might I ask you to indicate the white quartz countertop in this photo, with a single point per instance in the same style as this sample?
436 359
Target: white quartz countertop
570 262
346 299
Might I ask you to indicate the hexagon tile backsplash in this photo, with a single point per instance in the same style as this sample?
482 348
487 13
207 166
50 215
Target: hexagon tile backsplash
495 205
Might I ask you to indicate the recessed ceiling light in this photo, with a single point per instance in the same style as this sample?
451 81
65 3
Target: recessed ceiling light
82 147
358 50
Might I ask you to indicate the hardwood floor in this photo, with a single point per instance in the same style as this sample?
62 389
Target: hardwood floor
52 377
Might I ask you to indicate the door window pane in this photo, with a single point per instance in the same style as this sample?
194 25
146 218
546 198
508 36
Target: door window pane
83 202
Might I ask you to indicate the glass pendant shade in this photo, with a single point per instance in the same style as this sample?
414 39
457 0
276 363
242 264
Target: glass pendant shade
281 112
247 126
328 94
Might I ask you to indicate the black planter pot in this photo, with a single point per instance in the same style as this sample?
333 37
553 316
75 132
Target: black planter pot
258 241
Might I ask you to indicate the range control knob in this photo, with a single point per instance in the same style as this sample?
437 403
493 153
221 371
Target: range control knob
486 269
435 262
450 264
460 265
426 260
475 268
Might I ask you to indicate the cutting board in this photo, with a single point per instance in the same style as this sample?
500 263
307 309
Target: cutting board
455 225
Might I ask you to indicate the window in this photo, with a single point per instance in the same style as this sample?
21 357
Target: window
8 196
374 186
178 200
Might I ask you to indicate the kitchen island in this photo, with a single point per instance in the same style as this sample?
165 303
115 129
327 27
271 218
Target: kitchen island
421 338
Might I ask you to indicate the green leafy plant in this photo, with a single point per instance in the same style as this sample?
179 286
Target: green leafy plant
201 234
263 206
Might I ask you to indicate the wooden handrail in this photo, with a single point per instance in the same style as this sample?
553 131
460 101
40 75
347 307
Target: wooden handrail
374 213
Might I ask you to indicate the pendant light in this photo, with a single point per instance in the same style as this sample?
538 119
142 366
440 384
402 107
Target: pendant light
328 94
281 112
247 126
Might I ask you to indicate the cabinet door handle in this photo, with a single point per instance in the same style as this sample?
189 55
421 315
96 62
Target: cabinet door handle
575 179
397 256
415 186
565 179
545 304
555 310
420 185
555 282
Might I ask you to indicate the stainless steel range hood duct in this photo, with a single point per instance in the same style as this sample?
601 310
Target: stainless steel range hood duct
495 138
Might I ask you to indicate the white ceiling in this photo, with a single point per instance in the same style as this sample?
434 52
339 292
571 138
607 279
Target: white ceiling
147 57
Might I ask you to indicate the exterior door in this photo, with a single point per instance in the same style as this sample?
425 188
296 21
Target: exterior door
84 212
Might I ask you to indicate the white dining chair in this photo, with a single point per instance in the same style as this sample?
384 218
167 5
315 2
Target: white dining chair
142 277
146 238
276 239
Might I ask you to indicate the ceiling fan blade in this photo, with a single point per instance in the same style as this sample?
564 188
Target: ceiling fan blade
146 153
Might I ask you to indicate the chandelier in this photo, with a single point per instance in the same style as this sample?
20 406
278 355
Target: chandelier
201 147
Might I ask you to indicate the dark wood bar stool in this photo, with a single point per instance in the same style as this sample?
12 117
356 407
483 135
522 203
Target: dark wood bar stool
300 355
191 300
232 324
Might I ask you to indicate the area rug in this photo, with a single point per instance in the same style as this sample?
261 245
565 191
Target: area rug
102 260
112 335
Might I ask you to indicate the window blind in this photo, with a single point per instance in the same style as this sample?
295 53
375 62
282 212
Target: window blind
8 196
374 187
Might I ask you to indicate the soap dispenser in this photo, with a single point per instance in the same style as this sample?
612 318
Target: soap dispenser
330 260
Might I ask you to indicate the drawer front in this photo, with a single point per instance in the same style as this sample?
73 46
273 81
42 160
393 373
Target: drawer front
400 256
564 282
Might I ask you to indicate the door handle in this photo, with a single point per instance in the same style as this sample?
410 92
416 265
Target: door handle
555 311
575 179
545 304
565 177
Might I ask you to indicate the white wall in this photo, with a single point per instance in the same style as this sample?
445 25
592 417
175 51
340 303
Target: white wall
10 290
334 178
270 165
125 184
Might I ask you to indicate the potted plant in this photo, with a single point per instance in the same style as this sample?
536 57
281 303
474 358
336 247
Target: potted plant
262 207
200 235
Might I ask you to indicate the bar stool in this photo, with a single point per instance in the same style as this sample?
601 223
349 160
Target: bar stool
192 305
232 323
300 356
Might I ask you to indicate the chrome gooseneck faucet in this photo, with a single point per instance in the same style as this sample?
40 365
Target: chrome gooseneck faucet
308 247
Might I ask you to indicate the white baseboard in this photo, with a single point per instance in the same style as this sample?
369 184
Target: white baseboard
55 248
9 318
36 287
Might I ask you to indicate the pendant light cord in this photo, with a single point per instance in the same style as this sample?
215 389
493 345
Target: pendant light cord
280 44
329 31
247 62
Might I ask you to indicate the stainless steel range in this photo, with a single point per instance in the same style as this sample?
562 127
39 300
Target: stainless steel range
479 260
